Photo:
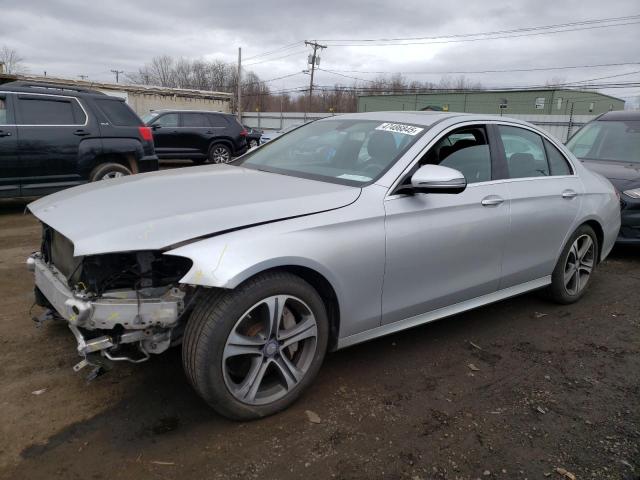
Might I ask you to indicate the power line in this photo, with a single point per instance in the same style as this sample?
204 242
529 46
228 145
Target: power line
277 58
468 72
492 33
277 50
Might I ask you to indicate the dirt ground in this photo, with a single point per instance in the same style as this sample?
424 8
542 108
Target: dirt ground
515 390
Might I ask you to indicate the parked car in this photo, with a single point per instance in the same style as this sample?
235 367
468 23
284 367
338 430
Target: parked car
610 145
253 136
268 136
262 266
54 137
199 136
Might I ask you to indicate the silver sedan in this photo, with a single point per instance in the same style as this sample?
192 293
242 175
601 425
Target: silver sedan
338 232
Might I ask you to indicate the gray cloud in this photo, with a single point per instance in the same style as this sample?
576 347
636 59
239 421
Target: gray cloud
69 38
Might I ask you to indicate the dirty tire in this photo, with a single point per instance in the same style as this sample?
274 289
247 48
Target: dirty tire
220 153
106 171
558 291
216 316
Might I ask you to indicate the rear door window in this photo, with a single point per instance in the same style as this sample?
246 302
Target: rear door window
557 163
194 120
524 151
118 113
42 110
217 121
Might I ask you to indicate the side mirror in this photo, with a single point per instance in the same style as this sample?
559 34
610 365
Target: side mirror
438 179
155 126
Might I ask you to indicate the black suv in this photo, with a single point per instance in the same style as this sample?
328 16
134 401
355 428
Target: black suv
197 135
56 136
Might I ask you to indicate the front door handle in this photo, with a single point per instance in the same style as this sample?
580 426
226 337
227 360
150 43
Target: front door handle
492 201
81 133
5 134
569 194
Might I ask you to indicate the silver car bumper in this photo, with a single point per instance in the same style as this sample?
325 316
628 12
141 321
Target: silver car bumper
128 308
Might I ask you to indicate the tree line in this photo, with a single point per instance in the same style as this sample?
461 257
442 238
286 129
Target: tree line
258 95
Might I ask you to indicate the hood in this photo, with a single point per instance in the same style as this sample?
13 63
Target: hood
155 210
623 175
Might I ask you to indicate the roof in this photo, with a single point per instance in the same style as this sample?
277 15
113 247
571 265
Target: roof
186 110
140 89
481 92
620 115
426 118
42 87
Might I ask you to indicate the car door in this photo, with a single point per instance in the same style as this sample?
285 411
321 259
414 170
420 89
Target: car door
545 199
195 133
9 166
442 249
166 137
50 129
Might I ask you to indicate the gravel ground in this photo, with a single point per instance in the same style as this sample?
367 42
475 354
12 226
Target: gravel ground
520 389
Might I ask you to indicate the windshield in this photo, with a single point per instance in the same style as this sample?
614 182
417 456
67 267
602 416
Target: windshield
608 140
149 116
352 152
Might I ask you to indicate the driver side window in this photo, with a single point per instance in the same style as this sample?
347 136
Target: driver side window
466 150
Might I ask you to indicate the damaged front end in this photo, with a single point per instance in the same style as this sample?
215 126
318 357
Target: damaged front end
119 306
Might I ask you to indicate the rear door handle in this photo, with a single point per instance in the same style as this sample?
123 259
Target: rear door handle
569 194
492 201
81 133
5 134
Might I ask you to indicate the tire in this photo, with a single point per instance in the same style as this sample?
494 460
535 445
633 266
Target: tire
107 171
570 279
219 153
253 143
227 346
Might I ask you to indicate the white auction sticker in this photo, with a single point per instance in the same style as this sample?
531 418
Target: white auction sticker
400 128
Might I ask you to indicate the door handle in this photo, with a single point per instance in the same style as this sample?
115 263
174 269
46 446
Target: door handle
209 132
5 134
569 194
81 133
492 201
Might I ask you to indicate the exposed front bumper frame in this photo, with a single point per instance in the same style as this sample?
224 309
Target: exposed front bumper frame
130 309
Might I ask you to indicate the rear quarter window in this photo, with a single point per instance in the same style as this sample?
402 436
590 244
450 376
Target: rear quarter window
217 121
118 113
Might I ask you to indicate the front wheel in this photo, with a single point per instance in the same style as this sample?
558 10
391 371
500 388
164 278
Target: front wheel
219 153
253 143
252 351
575 266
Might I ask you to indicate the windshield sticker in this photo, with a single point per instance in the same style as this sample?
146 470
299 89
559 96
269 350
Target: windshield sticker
400 128
357 178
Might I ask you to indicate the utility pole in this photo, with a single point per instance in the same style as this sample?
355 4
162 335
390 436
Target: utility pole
117 74
314 61
240 84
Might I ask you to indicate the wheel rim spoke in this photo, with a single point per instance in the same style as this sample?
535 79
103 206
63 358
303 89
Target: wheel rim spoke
238 344
253 382
303 330
288 371
275 307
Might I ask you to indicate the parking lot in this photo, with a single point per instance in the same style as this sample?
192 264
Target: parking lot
520 389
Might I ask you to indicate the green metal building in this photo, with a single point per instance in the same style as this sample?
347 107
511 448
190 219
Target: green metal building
506 102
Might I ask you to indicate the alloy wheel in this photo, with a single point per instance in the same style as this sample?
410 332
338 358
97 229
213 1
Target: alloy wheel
109 175
221 155
269 350
253 143
579 264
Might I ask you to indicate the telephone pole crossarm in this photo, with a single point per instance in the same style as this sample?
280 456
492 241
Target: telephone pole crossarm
314 62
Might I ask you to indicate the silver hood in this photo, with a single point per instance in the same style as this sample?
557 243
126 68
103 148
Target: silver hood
153 211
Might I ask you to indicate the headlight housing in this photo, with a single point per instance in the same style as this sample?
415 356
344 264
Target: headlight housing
633 193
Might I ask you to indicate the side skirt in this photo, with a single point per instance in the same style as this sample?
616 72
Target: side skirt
443 312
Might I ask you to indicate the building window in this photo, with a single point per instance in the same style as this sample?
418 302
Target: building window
540 103
591 105
559 104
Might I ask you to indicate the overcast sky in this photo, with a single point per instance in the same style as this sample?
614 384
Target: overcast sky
70 38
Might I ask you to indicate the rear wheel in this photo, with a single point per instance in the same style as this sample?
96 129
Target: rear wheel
253 143
219 153
107 171
575 266
252 351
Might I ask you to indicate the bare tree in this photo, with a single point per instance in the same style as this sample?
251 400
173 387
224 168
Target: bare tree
13 62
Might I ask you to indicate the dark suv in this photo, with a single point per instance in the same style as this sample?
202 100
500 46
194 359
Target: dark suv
197 135
55 136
